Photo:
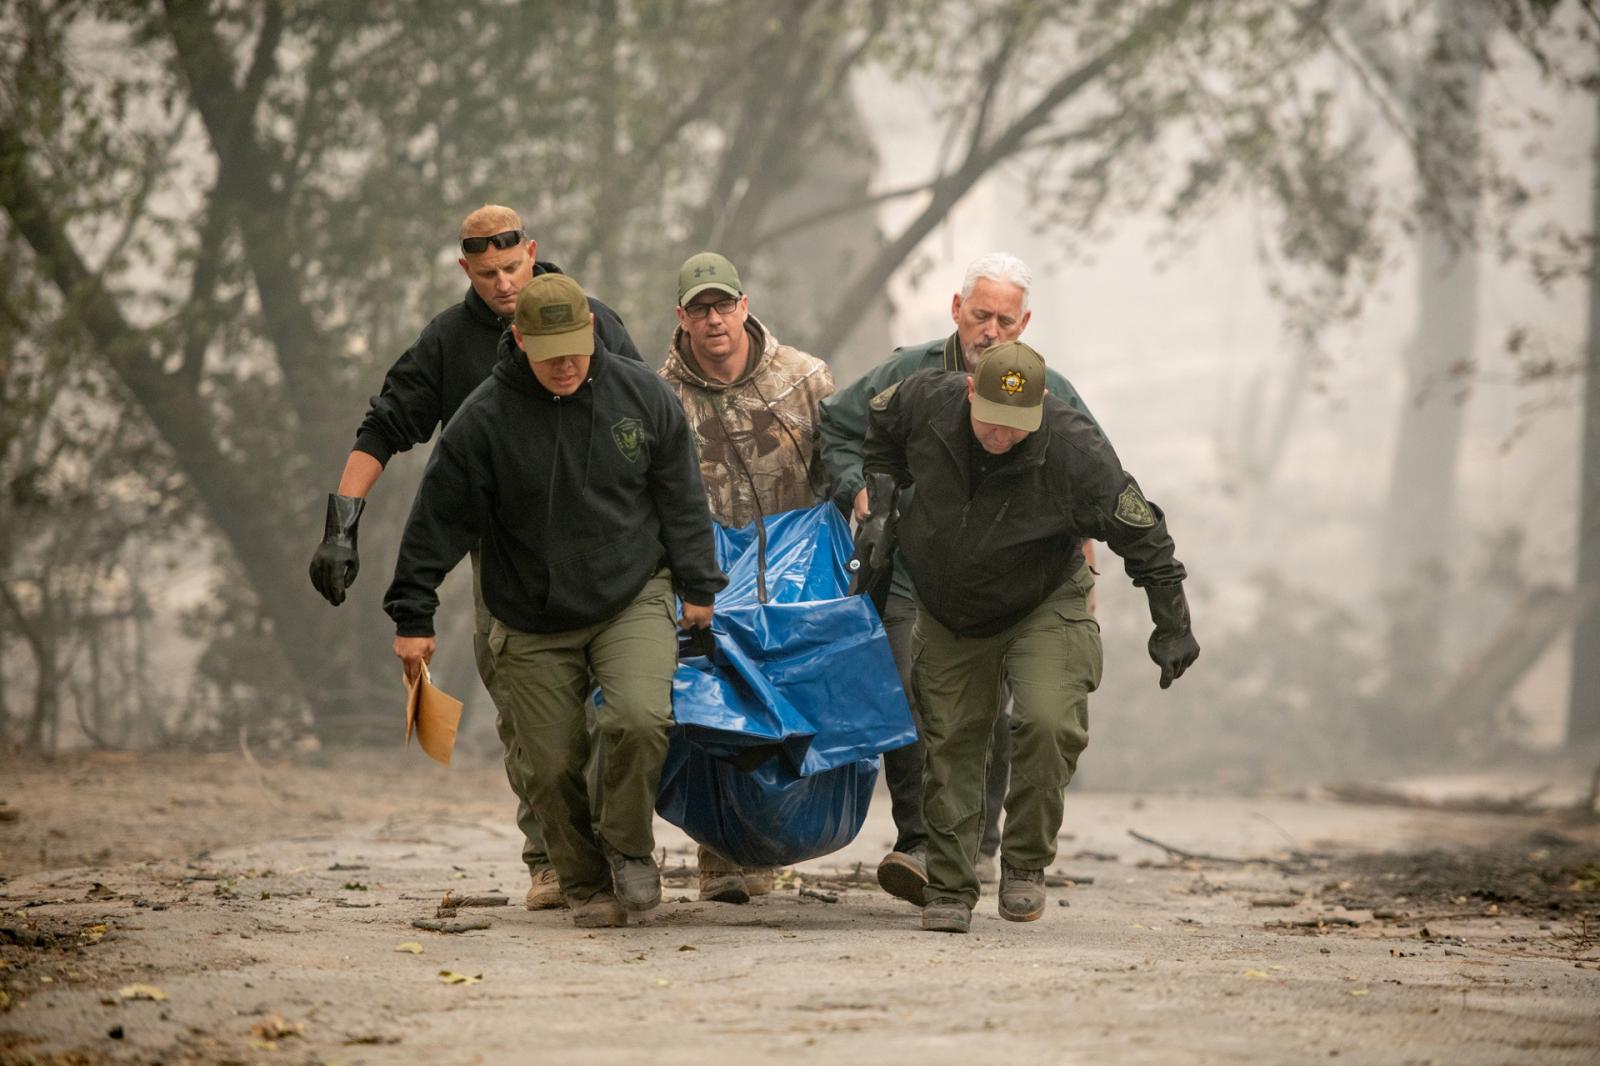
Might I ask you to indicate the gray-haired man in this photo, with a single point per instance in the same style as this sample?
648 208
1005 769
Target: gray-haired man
991 308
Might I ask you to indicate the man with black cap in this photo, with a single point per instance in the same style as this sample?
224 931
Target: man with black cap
752 406
1009 483
423 389
575 470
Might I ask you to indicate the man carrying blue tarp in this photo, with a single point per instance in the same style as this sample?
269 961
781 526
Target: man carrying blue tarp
752 407
1009 482
574 468
990 308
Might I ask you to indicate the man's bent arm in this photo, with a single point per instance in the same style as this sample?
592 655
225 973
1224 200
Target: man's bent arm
361 472
445 522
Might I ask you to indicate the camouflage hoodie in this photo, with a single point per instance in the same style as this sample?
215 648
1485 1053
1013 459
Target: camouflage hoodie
757 436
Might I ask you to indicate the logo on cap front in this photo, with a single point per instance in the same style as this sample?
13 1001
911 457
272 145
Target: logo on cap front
1012 382
555 315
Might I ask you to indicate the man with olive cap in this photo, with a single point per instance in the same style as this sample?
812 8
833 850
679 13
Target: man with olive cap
422 391
1009 482
574 468
752 405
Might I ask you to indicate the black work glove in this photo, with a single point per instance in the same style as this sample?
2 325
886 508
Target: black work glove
872 569
334 566
1172 645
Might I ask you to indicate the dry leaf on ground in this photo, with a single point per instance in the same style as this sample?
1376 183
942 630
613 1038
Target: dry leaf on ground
150 992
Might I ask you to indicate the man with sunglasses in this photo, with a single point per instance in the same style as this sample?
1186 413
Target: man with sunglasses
753 407
449 359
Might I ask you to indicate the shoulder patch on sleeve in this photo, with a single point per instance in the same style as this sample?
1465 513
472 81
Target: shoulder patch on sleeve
880 402
1132 510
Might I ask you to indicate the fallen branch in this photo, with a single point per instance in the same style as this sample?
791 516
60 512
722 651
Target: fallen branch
491 899
1313 923
856 876
823 897
1196 856
451 925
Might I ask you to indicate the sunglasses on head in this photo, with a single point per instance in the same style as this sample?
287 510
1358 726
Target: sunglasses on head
474 245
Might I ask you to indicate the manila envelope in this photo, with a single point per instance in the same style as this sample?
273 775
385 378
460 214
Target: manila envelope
433 715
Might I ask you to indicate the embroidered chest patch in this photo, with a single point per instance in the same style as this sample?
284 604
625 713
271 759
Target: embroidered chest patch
1132 509
628 435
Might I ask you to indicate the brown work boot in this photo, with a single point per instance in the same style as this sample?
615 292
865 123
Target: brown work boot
599 911
720 880
1021 893
946 916
758 881
545 892
904 875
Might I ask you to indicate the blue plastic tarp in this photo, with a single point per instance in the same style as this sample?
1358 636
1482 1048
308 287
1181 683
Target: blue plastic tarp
774 755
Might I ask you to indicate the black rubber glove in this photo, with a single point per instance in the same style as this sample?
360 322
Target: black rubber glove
1172 645
872 569
334 566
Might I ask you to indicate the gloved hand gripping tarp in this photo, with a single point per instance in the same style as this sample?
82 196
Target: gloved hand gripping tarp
774 755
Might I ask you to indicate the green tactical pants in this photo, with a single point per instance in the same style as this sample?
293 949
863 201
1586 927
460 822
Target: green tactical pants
541 685
533 850
1052 660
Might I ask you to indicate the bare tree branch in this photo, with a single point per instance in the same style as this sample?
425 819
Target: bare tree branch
828 214
247 176
867 286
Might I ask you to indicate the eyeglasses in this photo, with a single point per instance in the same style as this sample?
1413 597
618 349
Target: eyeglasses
722 307
474 245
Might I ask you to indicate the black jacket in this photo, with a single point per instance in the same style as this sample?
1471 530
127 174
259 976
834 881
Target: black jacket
982 561
450 358
577 499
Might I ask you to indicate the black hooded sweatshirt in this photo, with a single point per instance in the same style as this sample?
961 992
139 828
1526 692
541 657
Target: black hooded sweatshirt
450 358
578 500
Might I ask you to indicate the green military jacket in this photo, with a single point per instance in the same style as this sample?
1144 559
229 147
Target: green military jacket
845 416
982 558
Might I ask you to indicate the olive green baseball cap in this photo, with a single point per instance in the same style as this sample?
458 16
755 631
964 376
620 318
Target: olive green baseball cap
553 318
1010 387
706 270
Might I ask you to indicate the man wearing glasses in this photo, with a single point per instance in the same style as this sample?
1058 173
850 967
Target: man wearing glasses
753 408
450 358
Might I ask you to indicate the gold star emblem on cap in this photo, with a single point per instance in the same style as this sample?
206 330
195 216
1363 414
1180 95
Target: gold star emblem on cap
1012 382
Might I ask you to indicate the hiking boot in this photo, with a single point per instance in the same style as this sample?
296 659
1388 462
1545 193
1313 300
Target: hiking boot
599 911
1021 893
904 875
720 880
946 916
759 881
637 881
985 866
545 892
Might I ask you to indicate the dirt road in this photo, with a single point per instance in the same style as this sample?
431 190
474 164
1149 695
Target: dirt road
131 930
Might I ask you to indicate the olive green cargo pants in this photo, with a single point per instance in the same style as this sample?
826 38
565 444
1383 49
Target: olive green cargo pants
541 686
1052 660
533 850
